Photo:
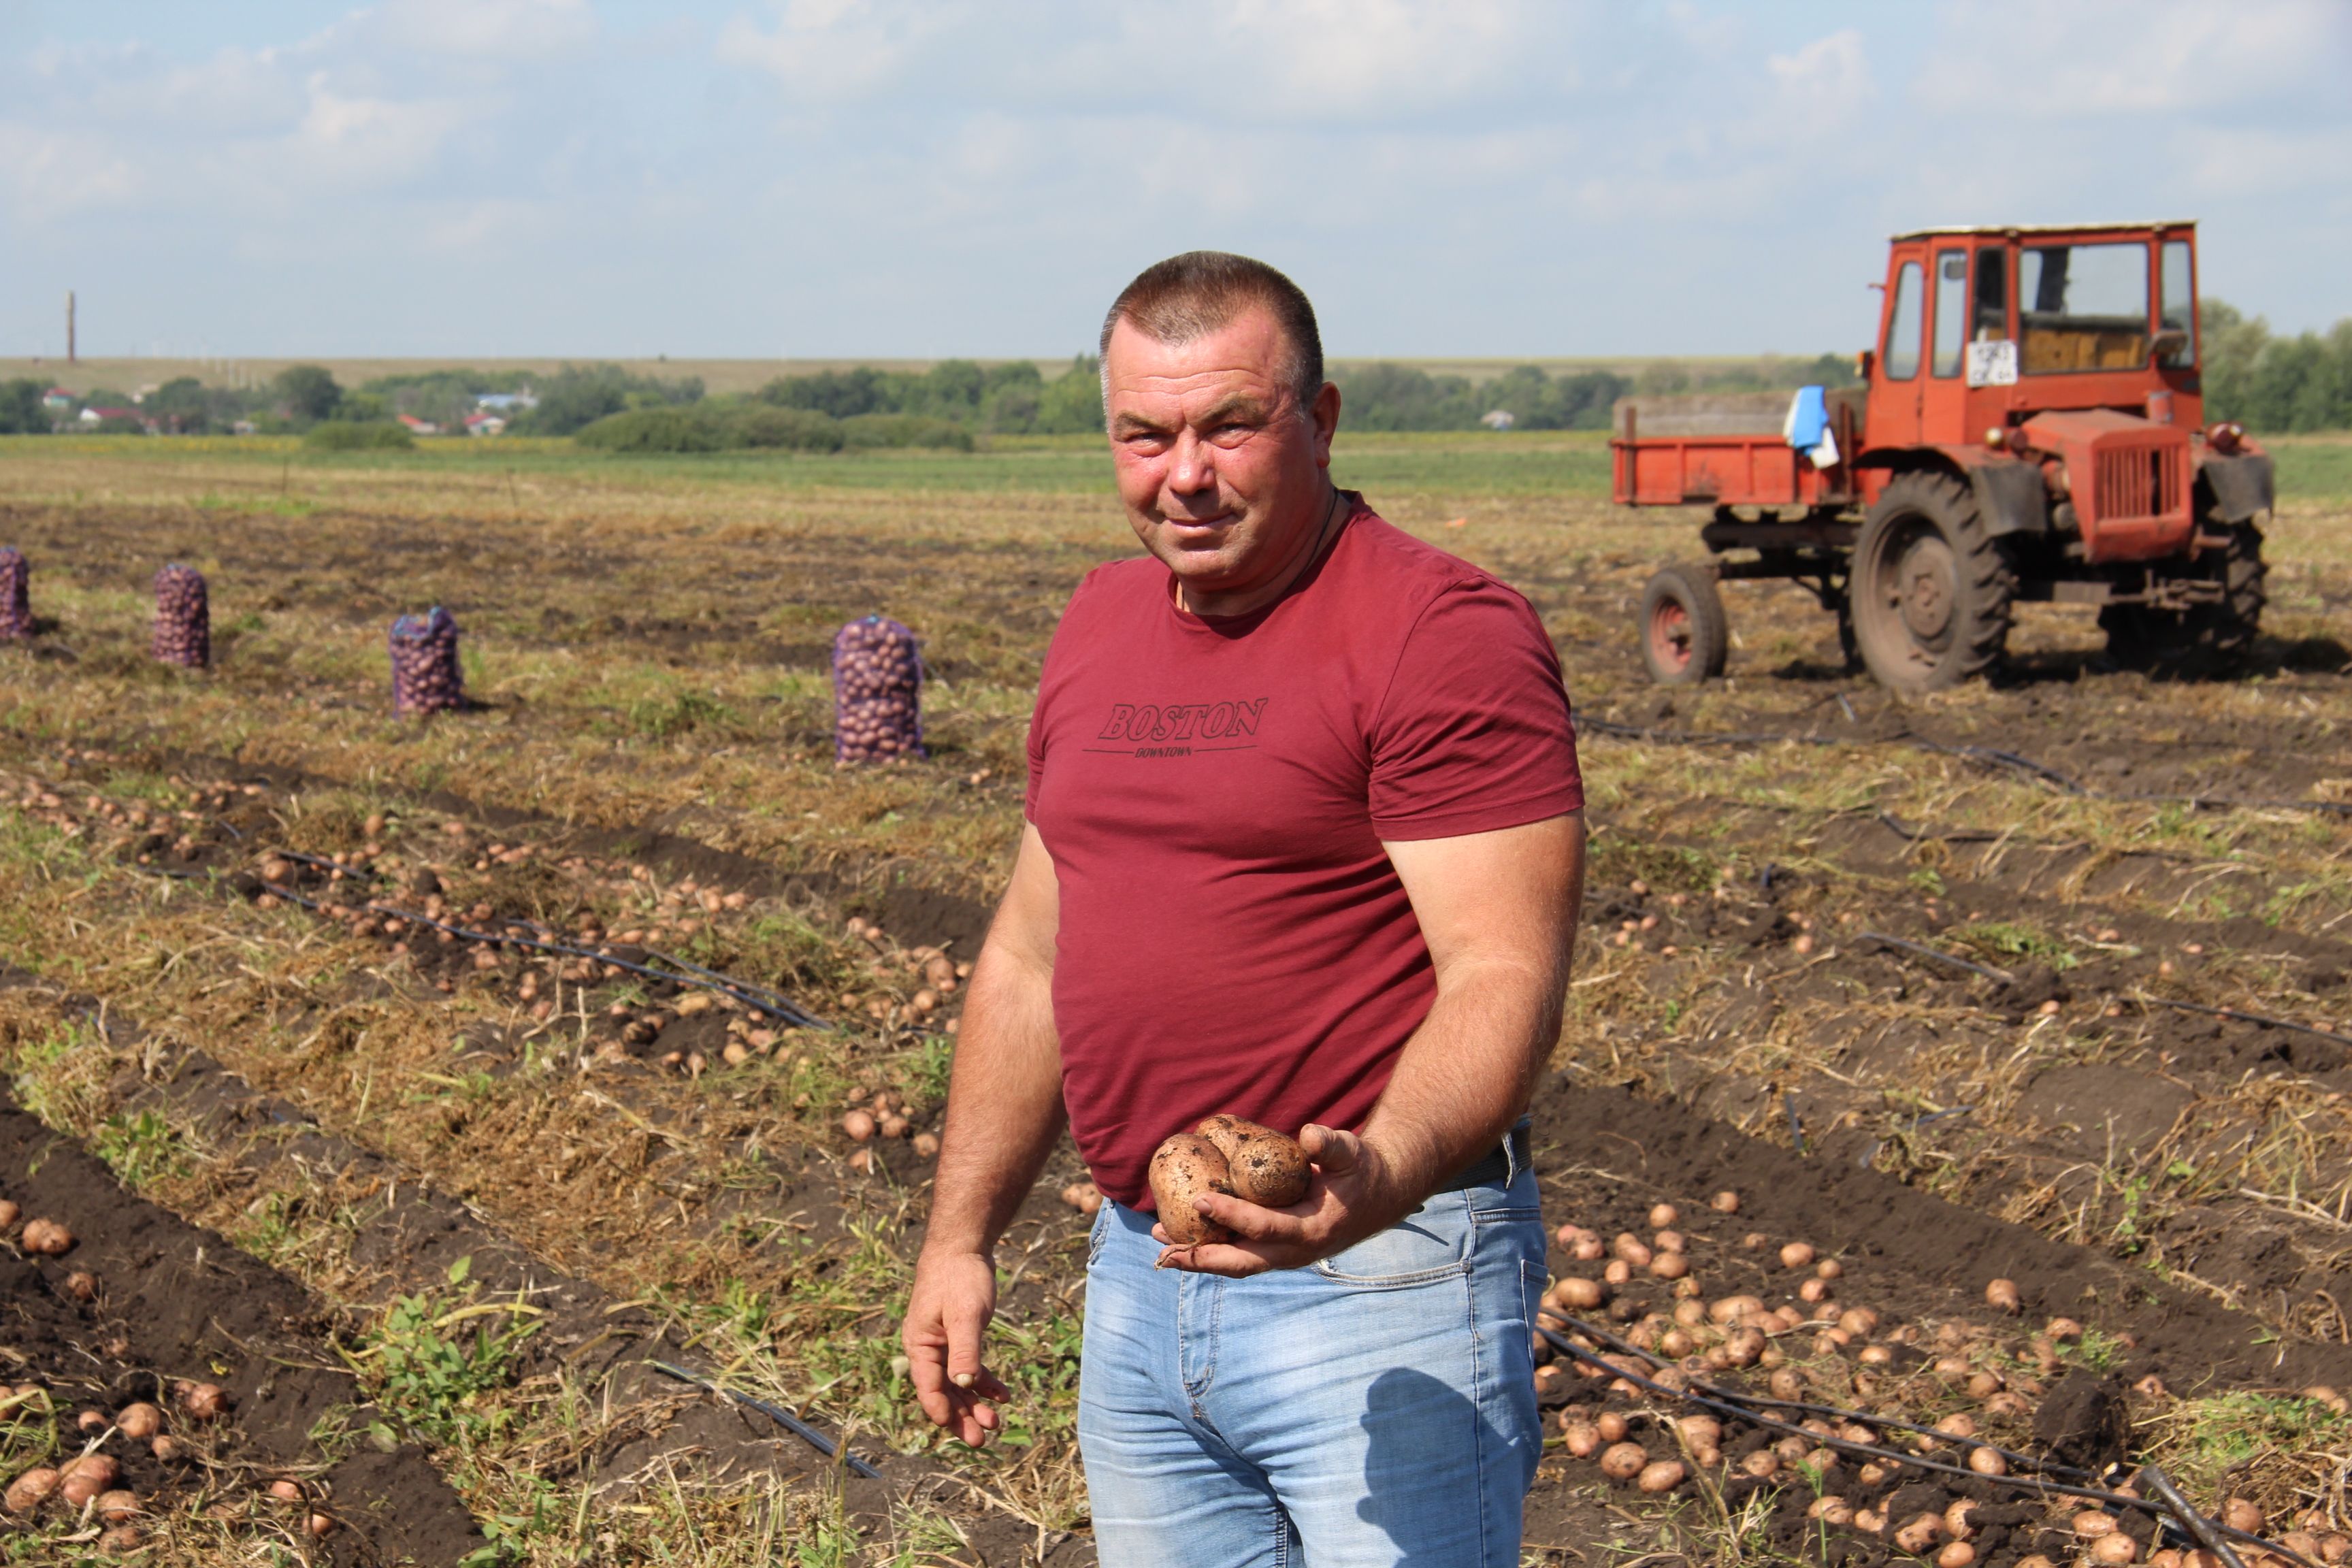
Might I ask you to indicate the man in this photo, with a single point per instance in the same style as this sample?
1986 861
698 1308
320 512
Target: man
1304 843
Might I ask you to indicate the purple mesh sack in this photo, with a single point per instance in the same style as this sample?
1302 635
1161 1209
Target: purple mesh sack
16 594
877 677
425 676
183 618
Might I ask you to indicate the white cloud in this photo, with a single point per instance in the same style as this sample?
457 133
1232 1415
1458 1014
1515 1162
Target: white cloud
371 140
489 30
55 172
2132 56
1351 55
1824 85
836 48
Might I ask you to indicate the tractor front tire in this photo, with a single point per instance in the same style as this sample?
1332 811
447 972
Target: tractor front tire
1685 633
1930 588
2211 639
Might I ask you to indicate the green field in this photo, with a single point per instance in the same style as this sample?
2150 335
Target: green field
1437 464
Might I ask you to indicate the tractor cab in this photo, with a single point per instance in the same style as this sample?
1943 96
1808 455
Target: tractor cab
1982 328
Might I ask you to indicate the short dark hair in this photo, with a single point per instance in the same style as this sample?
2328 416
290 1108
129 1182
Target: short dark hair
1192 295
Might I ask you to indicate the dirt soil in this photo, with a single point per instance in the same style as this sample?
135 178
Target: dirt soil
171 1305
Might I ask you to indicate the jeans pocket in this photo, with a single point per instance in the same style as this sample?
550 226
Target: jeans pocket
1522 1200
1433 1244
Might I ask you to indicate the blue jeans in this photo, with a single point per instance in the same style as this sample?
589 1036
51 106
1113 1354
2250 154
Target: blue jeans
1376 1407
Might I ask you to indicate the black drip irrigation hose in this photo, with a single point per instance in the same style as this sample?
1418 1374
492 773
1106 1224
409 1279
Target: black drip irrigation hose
1749 1407
757 997
1814 1408
777 1413
2262 1020
2244 1017
1924 951
740 990
773 1002
2023 765
2200 1528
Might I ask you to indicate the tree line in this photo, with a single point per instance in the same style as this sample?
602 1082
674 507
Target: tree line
2269 382
2264 380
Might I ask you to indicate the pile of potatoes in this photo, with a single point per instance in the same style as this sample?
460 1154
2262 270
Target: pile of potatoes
877 677
425 675
16 594
1223 1154
938 977
41 1237
1701 1339
88 1484
883 1115
183 621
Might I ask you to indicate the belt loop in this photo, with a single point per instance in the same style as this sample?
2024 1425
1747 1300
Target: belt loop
1515 1152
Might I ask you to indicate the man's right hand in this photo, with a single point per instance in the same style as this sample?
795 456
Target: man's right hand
953 1298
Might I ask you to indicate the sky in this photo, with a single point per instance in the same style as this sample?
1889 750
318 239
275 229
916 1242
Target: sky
846 178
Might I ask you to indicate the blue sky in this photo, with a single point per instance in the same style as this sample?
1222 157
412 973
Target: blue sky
825 178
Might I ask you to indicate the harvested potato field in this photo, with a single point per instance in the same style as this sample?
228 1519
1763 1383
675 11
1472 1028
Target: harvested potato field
497 1107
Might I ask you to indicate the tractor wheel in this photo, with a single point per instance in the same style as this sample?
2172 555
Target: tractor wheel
1683 632
2210 639
1930 588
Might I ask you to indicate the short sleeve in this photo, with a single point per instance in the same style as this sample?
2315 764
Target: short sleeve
1473 732
1036 750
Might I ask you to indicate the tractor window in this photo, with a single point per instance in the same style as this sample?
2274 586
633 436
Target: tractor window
2179 312
1901 357
2084 306
1992 296
1951 310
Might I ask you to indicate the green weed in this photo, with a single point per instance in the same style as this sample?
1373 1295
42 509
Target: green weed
430 1375
2011 939
2205 1440
679 714
140 1147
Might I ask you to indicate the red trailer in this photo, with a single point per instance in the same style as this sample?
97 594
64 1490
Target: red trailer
2030 425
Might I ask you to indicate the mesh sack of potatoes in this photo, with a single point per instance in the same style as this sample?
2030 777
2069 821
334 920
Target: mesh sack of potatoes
877 677
15 594
425 676
183 619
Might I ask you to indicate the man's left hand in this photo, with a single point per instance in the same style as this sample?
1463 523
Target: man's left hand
1353 1192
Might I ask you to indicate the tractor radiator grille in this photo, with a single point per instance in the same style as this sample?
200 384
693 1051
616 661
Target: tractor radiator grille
2138 481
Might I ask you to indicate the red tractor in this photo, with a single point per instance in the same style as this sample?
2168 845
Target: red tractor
2030 426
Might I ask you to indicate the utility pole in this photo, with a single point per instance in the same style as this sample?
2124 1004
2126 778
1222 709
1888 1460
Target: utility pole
72 357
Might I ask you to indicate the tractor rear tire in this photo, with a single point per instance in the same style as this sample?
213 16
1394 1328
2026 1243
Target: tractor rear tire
1684 633
1930 588
2207 639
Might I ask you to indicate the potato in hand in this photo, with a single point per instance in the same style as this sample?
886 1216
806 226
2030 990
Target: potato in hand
1183 1168
1223 1154
1265 1167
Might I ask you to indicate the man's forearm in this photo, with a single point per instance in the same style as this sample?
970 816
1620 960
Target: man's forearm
1468 1073
1005 1103
1500 912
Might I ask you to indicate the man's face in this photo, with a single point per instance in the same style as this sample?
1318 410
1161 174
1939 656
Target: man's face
1224 476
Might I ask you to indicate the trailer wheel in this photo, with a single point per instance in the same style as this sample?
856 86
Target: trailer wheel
2211 639
1684 634
1930 589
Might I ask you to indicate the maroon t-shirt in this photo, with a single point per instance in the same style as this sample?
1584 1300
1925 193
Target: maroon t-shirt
1215 792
